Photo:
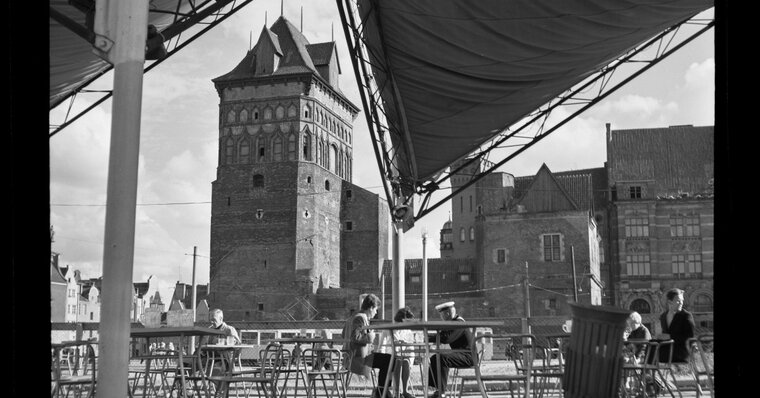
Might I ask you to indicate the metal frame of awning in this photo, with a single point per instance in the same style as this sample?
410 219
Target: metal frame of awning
204 12
513 139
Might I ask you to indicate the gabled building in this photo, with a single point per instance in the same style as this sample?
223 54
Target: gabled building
58 288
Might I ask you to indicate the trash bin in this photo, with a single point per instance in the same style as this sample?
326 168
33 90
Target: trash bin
593 363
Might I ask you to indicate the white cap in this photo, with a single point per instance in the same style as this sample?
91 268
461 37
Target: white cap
443 306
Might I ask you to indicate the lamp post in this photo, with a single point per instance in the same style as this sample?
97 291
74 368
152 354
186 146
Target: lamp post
424 276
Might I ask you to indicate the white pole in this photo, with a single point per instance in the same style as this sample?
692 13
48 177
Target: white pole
193 303
127 23
399 284
424 277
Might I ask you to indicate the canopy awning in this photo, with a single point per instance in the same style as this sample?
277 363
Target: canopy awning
452 74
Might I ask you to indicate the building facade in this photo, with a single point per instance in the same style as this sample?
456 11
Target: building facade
663 215
286 221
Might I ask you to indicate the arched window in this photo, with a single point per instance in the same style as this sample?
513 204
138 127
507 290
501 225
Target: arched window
641 306
292 111
244 115
277 149
267 113
279 112
261 149
258 181
245 152
292 147
306 111
327 185
472 233
229 151
231 116
702 303
461 234
333 165
255 114
307 146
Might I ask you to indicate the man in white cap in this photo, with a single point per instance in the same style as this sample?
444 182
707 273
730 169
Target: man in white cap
457 339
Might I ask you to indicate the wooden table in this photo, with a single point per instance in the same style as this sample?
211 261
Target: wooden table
177 331
436 326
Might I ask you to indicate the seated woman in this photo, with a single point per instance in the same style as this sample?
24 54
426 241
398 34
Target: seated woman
405 355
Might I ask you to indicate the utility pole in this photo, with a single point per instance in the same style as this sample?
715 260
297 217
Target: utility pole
575 283
526 286
192 303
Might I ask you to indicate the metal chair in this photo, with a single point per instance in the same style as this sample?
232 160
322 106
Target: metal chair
263 377
520 350
324 365
81 381
701 362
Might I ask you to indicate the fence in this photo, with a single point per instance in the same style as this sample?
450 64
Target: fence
261 332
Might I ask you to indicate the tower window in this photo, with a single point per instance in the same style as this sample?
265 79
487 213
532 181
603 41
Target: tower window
261 306
472 233
461 234
551 247
349 265
308 179
327 185
349 194
258 181
349 226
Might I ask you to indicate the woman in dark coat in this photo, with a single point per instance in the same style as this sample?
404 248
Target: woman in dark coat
677 324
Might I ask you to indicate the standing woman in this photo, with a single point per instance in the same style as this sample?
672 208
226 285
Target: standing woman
677 324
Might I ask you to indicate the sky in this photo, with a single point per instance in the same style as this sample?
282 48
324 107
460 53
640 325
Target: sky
179 130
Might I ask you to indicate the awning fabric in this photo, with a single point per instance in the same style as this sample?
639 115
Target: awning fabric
454 73
72 60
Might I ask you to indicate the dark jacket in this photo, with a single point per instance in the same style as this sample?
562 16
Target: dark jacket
457 339
357 341
681 329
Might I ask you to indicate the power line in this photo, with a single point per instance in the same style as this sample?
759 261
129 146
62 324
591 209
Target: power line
139 204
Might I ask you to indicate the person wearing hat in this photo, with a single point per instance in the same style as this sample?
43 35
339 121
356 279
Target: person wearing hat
457 339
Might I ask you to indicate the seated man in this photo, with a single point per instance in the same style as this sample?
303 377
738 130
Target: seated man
457 339
216 317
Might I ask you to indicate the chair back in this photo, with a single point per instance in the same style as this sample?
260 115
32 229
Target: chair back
593 365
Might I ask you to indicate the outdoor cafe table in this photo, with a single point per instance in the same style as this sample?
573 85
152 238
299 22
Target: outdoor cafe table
436 326
176 331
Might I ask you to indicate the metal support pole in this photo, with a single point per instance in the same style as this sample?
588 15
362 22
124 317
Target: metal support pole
398 267
526 301
575 282
127 23
424 278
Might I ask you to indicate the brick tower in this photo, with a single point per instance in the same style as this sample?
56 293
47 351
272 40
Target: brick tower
279 207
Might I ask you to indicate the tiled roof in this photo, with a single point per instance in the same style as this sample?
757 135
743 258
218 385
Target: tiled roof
669 159
321 52
586 187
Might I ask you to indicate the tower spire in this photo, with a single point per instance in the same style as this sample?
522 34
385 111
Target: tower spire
265 19
301 19
332 31
282 7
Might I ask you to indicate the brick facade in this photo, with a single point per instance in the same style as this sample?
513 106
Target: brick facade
285 219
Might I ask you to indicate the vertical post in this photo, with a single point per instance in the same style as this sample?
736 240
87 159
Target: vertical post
382 293
127 22
575 282
398 267
193 299
424 277
526 301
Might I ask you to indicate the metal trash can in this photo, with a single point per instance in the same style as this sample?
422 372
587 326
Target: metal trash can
594 363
